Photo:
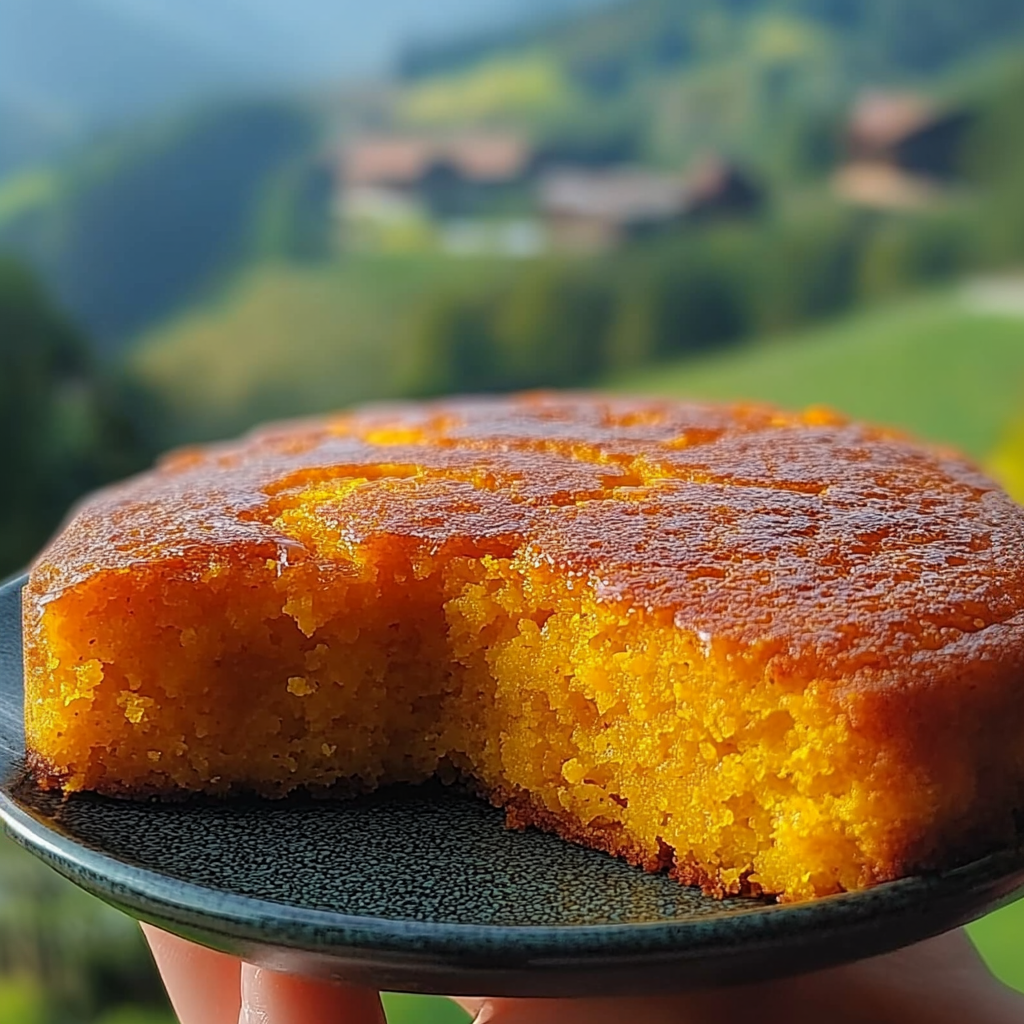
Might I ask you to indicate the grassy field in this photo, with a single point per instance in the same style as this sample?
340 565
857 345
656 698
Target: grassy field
285 340
936 366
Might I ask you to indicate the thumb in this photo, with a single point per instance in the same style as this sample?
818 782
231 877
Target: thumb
269 997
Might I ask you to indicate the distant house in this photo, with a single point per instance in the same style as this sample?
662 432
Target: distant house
445 177
596 209
719 187
599 209
902 151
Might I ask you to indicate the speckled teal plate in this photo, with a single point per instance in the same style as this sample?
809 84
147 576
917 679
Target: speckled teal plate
423 890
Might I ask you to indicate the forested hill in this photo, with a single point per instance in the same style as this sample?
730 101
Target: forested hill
137 229
768 82
877 39
71 68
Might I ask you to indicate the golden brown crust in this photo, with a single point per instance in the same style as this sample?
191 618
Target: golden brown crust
824 549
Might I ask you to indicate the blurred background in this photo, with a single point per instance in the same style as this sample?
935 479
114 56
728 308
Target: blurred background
214 212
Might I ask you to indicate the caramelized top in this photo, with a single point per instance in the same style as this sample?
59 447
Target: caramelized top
822 547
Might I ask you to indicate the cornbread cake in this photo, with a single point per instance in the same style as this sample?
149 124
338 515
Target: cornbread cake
771 652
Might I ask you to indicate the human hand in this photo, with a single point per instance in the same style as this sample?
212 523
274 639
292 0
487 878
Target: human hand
942 981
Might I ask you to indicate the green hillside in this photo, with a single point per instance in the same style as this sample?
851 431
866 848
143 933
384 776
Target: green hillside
935 366
286 340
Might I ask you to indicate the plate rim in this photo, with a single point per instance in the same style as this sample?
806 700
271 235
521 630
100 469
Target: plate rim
144 890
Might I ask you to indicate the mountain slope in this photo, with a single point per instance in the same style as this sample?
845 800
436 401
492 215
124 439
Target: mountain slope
137 230
878 38
69 68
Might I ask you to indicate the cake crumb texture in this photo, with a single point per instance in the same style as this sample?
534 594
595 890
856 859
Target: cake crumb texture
771 652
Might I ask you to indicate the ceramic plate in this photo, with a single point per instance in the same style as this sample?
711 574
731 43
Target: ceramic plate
424 890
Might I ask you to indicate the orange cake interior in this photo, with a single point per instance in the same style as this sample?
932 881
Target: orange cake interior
772 653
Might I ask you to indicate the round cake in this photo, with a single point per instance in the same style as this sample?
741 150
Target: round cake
773 653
